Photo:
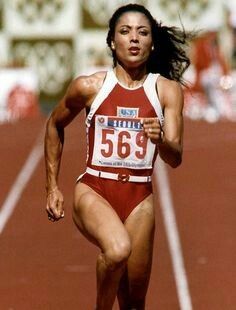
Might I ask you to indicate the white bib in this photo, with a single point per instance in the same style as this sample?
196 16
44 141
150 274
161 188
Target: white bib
120 142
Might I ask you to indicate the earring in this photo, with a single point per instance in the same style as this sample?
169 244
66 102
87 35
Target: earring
112 45
152 48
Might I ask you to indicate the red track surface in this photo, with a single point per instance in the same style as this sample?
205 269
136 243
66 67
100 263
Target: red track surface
50 266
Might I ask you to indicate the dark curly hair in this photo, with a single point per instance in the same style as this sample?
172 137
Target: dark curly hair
169 57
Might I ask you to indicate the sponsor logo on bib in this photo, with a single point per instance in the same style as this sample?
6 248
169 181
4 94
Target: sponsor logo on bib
127 112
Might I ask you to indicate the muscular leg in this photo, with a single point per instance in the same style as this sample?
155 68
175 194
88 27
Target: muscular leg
134 282
100 224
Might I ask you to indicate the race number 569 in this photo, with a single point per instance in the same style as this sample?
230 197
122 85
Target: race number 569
123 143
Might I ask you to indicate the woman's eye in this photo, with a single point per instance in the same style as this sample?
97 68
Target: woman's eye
123 31
143 33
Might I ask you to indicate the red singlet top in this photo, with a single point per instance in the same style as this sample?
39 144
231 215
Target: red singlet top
115 137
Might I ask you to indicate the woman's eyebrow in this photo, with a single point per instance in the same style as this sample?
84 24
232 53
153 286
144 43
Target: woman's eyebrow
129 26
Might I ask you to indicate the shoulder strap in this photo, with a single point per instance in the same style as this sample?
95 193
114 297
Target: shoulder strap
109 83
150 90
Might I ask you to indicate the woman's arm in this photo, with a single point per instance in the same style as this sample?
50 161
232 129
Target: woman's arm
170 137
171 147
79 95
71 104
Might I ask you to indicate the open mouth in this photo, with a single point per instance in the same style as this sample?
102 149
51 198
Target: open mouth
134 50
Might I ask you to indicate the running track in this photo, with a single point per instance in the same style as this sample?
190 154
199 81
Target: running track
50 266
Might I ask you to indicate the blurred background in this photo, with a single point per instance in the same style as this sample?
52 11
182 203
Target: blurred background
46 43
43 45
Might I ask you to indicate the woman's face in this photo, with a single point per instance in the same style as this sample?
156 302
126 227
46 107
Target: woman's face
132 39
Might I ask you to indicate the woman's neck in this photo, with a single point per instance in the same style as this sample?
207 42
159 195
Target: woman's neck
132 77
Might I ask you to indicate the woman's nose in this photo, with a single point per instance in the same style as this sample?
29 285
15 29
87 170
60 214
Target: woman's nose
133 36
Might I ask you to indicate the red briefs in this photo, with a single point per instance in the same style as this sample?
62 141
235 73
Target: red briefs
122 196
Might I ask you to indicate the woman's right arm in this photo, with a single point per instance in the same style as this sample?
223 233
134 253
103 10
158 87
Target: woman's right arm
67 109
79 95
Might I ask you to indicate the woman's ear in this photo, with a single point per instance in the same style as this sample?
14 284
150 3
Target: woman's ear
112 45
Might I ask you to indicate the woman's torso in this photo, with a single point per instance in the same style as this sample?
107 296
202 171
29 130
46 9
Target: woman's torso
114 132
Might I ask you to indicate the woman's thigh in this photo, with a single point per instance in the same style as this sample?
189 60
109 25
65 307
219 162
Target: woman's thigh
140 226
96 219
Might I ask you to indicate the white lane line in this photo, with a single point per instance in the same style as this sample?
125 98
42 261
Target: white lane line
20 183
167 209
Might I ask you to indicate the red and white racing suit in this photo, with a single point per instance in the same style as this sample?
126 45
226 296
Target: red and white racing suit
120 157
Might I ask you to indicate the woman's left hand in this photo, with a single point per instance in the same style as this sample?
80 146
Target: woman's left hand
152 129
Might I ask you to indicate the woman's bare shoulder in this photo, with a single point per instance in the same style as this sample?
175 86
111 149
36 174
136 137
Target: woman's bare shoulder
169 90
84 88
164 82
89 85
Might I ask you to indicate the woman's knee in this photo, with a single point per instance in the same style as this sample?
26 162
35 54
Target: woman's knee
117 255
